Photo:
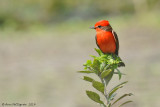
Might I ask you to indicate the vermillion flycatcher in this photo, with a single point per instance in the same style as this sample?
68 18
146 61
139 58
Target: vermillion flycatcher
106 38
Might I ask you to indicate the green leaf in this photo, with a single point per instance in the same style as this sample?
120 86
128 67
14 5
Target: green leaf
102 67
104 57
88 63
98 85
89 79
111 61
119 73
125 95
112 96
96 66
99 51
94 96
108 77
116 88
88 72
105 73
93 56
125 103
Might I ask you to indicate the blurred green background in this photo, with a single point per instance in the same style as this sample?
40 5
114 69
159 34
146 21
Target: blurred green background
44 42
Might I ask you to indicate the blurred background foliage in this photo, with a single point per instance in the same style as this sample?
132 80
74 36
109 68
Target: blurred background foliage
22 14
44 42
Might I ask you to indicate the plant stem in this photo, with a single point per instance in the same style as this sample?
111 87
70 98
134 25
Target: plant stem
103 105
105 91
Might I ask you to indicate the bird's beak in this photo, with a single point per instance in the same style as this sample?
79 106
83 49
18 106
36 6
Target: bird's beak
92 27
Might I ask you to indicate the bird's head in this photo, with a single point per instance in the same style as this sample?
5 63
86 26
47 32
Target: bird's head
101 24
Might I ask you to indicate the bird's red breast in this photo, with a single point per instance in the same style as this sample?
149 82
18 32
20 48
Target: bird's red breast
106 41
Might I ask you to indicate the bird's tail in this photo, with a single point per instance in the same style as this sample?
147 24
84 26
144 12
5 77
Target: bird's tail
121 64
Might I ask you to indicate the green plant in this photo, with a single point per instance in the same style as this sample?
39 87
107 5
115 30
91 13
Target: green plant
104 66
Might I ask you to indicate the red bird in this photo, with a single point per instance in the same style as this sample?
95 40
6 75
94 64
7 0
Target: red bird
106 38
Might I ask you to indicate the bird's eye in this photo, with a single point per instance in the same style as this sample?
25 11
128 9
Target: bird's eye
99 26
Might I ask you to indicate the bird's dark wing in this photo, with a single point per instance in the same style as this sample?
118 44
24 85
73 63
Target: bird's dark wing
117 42
117 48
